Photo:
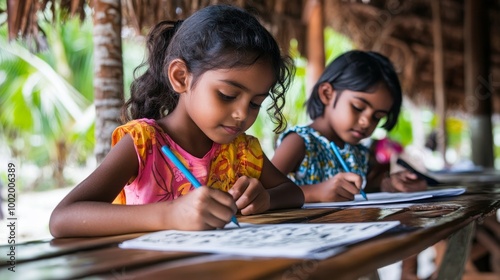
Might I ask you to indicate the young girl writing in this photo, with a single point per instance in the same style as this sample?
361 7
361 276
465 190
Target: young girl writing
205 81
355 92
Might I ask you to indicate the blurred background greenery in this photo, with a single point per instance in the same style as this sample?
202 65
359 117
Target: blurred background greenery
47 114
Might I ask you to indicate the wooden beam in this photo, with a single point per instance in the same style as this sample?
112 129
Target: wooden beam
439 95
313 17
478 89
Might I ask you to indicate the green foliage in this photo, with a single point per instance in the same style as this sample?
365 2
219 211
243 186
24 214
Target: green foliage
335 44
496 147
402 132
133 55
46 100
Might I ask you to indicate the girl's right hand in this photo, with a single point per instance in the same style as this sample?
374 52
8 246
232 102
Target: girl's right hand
201 209
341 187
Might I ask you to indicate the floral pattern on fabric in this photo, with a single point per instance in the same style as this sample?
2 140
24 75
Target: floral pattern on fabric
242 157
320 163
158 179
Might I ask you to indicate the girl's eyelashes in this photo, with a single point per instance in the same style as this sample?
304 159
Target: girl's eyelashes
378 117
359 109
226 97
229 98
254 105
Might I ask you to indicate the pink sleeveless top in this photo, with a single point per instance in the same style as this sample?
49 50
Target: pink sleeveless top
158 179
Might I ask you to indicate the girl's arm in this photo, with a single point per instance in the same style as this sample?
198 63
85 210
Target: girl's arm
282 191
288 157
289 154
87 209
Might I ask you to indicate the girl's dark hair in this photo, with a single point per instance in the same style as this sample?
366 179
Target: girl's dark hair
358 71
215 37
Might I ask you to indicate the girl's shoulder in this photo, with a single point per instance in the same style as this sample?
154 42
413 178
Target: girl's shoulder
301 129
140 128
139 124
304 131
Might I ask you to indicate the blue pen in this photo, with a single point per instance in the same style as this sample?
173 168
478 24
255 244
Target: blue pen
187 173
344 165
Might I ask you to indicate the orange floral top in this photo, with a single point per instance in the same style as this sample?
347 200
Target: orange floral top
158 179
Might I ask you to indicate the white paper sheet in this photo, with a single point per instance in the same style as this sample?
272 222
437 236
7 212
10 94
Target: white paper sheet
386 198
316 241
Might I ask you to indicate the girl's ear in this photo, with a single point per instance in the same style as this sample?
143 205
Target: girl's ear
178 75
326 93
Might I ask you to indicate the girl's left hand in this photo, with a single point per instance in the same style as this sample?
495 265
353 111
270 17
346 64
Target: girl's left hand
403 181
250 196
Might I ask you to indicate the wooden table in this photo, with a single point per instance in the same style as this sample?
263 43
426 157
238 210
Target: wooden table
423 224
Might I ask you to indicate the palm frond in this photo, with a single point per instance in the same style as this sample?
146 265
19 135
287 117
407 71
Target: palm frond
58 89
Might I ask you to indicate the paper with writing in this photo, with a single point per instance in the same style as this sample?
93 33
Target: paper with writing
316 241
387 197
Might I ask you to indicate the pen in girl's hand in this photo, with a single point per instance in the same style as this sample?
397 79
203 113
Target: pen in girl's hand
346 168
187 173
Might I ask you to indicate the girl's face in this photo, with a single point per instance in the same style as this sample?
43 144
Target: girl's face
225 102
357 114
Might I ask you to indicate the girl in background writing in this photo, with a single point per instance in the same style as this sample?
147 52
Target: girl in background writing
355 92
205 81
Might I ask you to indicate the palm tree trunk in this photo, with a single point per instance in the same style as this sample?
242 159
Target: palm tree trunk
61 156
108 72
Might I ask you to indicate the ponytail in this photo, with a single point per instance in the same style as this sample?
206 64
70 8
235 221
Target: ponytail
151 94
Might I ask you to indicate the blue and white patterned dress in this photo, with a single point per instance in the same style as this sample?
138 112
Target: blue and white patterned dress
320 163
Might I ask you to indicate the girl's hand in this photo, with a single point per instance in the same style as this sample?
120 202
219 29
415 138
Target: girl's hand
250 196
341 187
403 181
201 209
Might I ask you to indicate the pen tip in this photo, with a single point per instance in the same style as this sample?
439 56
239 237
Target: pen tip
364 195
235 222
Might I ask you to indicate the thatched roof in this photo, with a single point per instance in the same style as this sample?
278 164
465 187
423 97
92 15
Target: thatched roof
282 18
401 30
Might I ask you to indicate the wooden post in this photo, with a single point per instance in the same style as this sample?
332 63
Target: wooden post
439 94
108 73
313 17
478 93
